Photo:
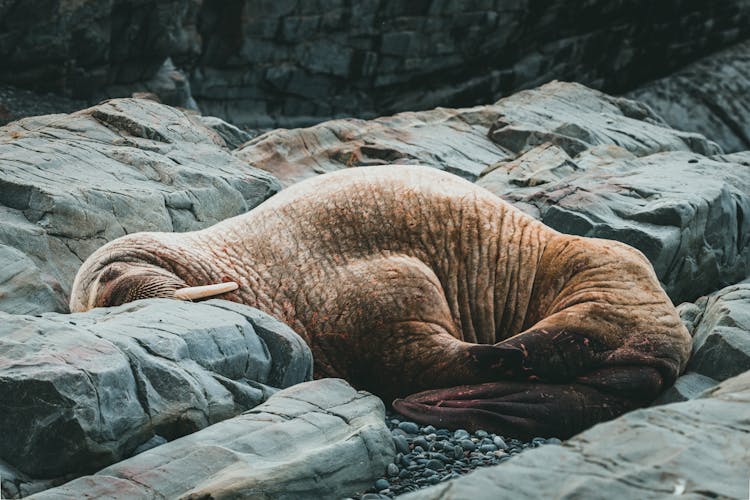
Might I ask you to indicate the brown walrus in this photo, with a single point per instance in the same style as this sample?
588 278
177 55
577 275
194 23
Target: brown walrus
406 279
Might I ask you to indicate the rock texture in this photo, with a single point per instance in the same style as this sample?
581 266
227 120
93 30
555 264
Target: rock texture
599 166
70 183
449 139
316 440
721 333
695 449
296 62
711 96
86 390
579 160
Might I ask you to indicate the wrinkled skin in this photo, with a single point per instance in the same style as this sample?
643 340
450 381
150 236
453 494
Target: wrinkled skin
410 282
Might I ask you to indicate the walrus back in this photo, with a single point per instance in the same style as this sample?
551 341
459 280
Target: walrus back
475 243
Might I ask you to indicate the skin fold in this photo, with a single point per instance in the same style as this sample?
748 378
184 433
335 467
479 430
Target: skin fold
413 283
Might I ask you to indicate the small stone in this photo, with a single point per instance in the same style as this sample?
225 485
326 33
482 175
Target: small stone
418 449
433 479
554 441
392 470
487 448
428 429
382 484
421 442
409 427
435 464
402 445
371 496
404 474
431 436
458 452
468 444
499 442
481 434
405 461
461 434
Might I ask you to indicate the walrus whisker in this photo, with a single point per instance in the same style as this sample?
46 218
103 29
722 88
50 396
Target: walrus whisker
200 292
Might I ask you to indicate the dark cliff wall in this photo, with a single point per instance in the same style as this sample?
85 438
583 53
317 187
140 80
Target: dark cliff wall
292 62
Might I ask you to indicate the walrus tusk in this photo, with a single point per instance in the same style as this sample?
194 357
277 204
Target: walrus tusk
199 292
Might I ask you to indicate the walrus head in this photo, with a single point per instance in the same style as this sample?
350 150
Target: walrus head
132 268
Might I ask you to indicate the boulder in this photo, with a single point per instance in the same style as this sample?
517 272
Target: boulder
85 390
721 333
320 439
594 165
710 96
695 449
70 183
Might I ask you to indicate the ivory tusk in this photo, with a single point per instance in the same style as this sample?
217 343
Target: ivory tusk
200 292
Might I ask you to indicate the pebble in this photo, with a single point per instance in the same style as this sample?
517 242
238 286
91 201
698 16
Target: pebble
468 444
402 445
421 442
382 484
392 470
435 464
461 434
427 456
409 427
500 442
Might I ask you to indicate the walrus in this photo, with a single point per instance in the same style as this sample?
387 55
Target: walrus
430 292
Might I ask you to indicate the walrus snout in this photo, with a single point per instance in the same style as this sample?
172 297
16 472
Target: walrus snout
120 282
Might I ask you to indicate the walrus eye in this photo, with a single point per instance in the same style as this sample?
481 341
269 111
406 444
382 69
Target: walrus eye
200 292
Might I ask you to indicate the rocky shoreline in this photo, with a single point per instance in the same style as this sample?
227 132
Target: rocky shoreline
133 399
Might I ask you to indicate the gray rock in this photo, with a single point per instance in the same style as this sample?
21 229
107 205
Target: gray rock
593 165
449 139
234 137
711 97
690 385
320 439
697 448
86 390
70 183
261 64
721 336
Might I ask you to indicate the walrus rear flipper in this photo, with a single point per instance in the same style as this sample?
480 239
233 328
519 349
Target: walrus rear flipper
527 409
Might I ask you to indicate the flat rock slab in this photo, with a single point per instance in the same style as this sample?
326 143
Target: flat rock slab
83 391
454 140
71 183
315 440
694 449
710 96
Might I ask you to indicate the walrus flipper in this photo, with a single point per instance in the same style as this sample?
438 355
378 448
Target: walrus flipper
527 409
567 381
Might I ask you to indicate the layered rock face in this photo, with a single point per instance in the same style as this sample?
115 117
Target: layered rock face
710 96
91 394
321 439
70 183
83 391
294 62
